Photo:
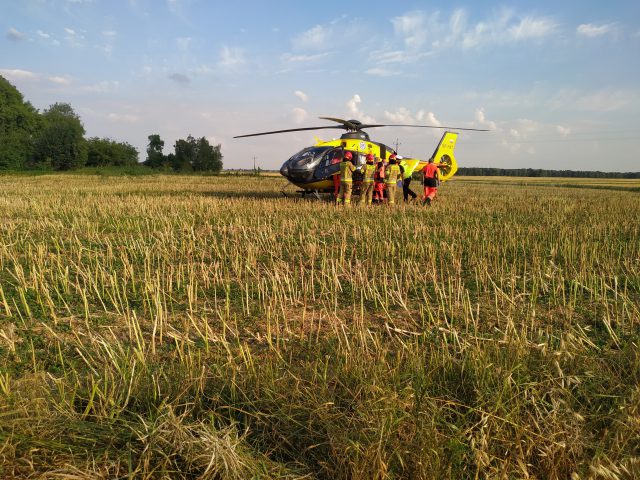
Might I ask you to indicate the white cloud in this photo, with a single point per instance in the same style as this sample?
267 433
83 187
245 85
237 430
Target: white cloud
412 28
301 95
316 38
15 35
532 28
43 34
482 121
506 27
354 110
299 115
59 80
382 72
231 59
590 30
70 31
564 131
17 74
401 115
289 58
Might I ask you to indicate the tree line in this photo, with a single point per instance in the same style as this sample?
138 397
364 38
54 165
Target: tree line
538 172
55 140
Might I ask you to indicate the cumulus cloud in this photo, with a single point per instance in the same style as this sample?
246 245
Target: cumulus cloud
481 120
42 34
354 110
299 115
15 35
231 59
591 31
401 115
301 95
179 78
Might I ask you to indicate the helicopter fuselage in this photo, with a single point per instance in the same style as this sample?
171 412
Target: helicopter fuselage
313 167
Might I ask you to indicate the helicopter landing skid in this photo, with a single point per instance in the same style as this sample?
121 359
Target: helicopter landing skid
304 193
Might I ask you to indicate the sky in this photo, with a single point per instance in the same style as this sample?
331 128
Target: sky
556 82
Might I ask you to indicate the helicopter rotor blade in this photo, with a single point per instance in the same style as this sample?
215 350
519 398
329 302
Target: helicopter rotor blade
425 126
288 130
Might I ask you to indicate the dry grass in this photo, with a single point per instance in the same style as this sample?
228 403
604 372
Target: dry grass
207 327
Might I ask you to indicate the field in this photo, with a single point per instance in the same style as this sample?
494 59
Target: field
208 327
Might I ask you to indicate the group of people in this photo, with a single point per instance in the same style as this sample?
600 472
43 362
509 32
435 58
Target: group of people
380 180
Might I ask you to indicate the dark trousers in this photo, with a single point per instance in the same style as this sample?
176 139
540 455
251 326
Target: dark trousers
406 191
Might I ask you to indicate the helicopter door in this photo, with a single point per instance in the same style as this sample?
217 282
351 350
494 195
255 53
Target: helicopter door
327 166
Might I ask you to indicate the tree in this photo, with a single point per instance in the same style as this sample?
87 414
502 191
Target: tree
60 144
186 153
102 152
19 123
155 157
208 158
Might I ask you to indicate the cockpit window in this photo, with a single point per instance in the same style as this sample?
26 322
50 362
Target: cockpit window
307 153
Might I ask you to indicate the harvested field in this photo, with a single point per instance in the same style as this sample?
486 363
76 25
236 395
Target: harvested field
208 327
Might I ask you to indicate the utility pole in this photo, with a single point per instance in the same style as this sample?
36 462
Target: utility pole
397 144
254 163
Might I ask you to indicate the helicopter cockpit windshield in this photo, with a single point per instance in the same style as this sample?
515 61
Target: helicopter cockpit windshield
307 158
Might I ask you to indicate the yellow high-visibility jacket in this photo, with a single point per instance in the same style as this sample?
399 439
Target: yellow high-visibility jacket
393 172
369 172
346 171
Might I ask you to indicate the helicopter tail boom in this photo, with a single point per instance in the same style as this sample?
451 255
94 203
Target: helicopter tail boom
443 155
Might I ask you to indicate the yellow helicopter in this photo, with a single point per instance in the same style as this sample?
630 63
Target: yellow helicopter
311 168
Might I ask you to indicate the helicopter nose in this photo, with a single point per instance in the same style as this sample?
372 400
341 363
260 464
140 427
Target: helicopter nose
284 169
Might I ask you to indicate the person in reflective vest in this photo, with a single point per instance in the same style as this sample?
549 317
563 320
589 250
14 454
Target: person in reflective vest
346 178
431 181
366 190
391 179
406 181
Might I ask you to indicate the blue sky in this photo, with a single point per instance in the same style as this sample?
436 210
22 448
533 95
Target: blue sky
558 83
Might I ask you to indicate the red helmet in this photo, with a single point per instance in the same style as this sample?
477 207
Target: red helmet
348 155
393 155
370 156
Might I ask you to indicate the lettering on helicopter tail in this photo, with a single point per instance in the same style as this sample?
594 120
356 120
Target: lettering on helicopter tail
445 157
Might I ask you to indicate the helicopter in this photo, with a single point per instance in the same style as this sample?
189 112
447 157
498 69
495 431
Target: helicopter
311 168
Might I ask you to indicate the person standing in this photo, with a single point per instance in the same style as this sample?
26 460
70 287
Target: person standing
366 190
406 182
346 178
431 180
378 184
391 179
